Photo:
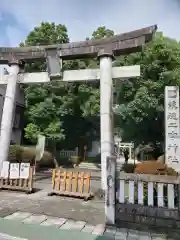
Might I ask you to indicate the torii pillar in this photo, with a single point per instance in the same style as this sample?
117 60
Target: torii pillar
106 111
8 111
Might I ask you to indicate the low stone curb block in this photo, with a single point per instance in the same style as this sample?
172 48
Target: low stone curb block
78 225
35 219
54 221
18 216
88 228
99 230
68 225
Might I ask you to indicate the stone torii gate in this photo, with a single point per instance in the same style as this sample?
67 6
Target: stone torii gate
105 49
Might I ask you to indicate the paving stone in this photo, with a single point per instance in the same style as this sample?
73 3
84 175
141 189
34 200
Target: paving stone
144 235
88 228
120 237
18 216
68 225
121 234
109 236
78 225
4 211
133 235
110 232
173 236
54 221
99 230
158 236
35 219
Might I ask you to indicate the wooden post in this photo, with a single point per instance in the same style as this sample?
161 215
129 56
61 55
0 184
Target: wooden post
110 193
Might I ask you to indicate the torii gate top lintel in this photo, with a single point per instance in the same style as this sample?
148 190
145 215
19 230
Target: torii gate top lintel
120 44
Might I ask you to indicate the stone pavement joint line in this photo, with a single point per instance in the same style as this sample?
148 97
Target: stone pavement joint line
98 230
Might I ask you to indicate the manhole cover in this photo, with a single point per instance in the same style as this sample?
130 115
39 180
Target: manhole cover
4 236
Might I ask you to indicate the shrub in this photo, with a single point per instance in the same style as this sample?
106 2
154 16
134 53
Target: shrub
15 153
27 155
149 167
154 167
75 160
128 167
47 160
47 156
171 172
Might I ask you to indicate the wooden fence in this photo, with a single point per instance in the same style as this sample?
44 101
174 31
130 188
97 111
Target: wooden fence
71 183
143 199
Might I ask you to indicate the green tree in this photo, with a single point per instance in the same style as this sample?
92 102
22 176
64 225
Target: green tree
141 112
102 32
89 94
53 107
47 104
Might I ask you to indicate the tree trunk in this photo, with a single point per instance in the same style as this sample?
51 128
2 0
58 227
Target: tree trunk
54 154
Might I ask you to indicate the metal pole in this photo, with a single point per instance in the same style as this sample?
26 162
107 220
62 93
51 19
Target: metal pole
106 111
8 112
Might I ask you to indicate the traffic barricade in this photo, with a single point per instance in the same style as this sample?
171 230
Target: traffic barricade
71 183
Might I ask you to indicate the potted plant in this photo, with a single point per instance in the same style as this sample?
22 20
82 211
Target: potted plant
75 160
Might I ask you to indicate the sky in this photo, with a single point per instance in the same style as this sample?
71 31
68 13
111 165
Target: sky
82 17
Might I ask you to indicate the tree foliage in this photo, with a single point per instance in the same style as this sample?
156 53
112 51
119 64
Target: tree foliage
102 32
66 112
61 111
141 113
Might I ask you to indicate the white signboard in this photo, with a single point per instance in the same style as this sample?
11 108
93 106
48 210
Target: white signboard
172 139
24 170
14 170
5 170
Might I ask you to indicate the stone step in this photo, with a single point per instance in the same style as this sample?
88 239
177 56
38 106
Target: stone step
92 166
